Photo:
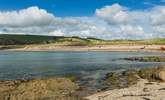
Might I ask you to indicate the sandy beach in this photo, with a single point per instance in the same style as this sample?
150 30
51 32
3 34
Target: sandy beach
51 47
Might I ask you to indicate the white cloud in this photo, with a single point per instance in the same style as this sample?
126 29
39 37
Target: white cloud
130 29
158 15
142 23
114 14
109 22
56 33
32 16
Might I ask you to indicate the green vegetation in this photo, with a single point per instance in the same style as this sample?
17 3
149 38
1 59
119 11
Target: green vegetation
159 41
155 41
35 39
72 41
147 59
26 39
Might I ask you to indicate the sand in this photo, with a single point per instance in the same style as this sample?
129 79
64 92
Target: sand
51 47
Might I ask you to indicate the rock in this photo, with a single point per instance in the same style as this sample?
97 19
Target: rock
112 78
139 91
122 79
130 76
73 77
146 59
160 73
147 73
153 74
38 89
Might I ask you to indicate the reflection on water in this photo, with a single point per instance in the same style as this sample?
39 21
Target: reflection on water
16 65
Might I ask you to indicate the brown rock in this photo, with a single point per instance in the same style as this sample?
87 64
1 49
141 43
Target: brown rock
39 89
160 73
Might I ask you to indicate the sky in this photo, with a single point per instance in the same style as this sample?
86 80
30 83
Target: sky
105 19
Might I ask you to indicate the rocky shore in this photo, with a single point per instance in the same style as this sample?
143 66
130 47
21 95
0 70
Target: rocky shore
147 59
143 90
38 89
143 84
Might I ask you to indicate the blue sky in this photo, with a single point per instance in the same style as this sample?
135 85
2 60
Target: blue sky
75 7
106 19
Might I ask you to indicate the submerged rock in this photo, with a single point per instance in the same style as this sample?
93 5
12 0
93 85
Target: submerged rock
121 80
130 76
39 89
147 59
113 78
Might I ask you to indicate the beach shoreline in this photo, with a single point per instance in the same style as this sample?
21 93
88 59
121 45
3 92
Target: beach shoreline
51 47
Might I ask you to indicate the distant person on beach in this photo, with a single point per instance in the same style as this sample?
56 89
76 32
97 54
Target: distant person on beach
143 47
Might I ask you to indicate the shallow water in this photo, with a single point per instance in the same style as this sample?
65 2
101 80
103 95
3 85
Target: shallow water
18 65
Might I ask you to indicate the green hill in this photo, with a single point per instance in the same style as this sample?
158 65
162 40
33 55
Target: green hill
36 39
76 41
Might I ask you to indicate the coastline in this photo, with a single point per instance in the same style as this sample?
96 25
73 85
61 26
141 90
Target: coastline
143 84
131 92
64 88
38 89
127 95
143 90
51 47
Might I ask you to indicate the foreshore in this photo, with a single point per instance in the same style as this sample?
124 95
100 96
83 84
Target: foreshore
143 90
143 84
51 47
38 89
26 89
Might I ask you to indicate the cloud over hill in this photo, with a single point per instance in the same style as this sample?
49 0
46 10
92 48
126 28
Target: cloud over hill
109 22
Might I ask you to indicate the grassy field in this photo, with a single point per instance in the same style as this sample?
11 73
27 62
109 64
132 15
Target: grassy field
70 41
159 41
